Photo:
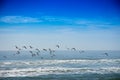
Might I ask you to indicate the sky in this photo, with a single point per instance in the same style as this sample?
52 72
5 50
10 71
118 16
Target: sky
83 24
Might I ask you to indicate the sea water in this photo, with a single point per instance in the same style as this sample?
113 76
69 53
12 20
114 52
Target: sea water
65 65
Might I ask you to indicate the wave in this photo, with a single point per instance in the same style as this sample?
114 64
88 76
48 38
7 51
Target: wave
56 70
59 61
106 62
45 67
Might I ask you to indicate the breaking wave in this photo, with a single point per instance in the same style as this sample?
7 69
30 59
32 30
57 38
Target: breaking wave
45 67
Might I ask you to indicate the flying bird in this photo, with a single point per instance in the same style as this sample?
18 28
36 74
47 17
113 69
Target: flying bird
73 49
25 47
33 55
41 57
52 55
44 49
53 50
106 54
57 46
31 47
19 49
18 52
16 47
31 52
37 49
50 51
37 53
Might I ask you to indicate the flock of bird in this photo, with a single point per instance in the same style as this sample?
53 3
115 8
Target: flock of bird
36 52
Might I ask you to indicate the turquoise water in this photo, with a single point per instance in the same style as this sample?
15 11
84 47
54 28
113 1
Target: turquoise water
65 65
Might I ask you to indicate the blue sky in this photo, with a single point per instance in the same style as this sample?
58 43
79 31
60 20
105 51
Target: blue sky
84 24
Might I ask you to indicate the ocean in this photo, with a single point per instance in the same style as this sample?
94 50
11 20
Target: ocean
64 65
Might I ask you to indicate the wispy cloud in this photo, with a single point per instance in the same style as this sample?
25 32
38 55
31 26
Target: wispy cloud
24 19
76 21
52 20
19 19
55 19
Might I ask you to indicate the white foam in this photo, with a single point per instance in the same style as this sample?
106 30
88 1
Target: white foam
44 62
56 70
44 67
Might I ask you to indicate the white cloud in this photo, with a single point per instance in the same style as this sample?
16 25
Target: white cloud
23 19
65 21
76 21
57 19
82 22
19 19
95 24
49 18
